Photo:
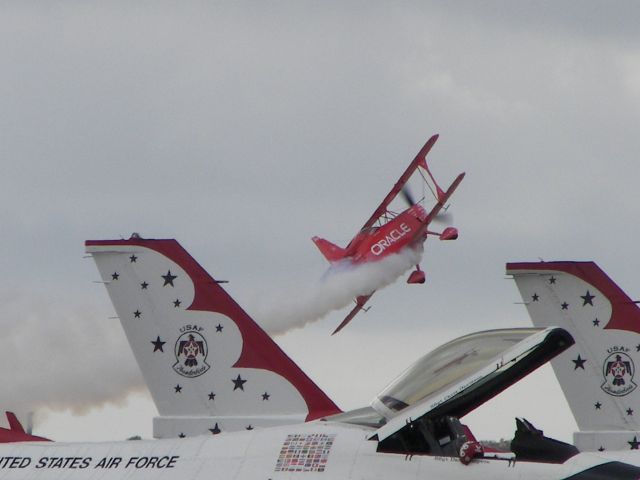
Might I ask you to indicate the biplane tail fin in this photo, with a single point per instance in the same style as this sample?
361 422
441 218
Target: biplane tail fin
331 252
598 374
208 365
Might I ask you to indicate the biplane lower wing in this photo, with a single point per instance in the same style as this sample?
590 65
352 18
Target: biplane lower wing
361 301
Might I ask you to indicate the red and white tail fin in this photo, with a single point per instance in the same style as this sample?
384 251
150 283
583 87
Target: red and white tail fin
208 365
598 374
331 252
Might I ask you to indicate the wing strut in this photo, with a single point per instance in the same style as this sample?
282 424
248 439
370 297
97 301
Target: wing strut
418 161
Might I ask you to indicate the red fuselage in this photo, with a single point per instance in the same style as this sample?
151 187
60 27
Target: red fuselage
375 243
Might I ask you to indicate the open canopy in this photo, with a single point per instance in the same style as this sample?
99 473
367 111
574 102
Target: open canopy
463 374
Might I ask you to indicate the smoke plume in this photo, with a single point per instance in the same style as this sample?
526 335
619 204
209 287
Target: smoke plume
62 356
337 289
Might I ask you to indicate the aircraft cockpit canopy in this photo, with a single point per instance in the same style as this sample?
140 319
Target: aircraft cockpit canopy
420 411
445 366
423 406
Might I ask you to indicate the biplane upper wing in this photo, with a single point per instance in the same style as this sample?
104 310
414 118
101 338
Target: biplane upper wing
419 160
361 301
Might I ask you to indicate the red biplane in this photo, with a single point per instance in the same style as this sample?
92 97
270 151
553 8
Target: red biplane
387 232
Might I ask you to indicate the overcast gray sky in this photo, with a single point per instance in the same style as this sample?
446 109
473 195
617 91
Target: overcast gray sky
244 128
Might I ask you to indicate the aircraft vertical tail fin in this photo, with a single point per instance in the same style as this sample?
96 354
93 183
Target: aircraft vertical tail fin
14 423
598 374
208 365
16 432
331 252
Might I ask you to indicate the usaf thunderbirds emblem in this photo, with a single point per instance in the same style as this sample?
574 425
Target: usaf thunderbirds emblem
618 370
191 353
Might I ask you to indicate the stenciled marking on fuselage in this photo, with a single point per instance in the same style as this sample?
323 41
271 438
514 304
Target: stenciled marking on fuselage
80 463
392 237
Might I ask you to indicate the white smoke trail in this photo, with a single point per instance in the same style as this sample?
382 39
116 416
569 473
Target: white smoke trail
62 355
337 289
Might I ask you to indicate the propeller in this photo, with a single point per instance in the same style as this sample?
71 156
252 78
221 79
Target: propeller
444 216
407 195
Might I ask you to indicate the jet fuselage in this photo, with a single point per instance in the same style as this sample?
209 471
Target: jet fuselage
318 450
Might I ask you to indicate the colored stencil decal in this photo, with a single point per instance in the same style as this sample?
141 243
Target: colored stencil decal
191 352
618 371
305 453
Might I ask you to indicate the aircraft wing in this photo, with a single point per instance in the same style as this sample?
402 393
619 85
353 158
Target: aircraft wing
419 160
361 301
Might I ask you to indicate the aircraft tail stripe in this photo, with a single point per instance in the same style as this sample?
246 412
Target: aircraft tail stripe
625 315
